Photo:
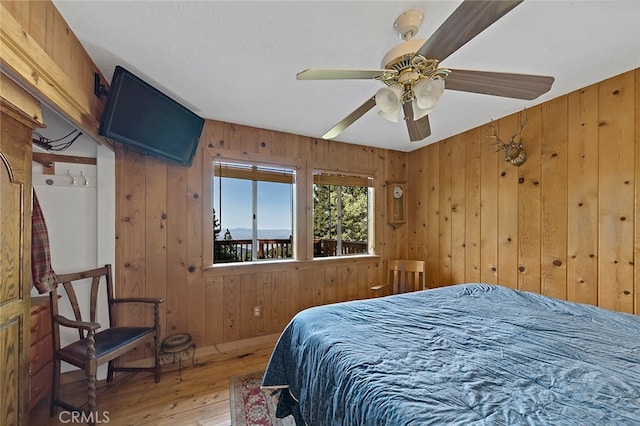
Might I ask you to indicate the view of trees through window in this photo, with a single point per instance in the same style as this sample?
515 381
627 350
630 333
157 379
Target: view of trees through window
340 219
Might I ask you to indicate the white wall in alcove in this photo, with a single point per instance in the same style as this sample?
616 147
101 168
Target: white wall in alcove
80 217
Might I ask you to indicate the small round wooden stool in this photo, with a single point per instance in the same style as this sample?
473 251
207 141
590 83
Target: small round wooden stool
179 346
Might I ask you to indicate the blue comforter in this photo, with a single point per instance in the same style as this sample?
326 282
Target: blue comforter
470 354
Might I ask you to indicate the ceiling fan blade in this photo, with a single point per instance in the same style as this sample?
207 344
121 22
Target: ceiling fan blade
467 21
519 86
341 74
418 129
350 119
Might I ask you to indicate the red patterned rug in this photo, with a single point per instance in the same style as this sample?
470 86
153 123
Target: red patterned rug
252 407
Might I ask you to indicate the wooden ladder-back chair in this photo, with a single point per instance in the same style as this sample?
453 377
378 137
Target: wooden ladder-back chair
95 348
404 276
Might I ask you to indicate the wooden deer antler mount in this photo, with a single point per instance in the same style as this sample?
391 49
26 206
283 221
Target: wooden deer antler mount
513 150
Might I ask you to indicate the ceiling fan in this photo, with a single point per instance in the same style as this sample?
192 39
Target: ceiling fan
414 82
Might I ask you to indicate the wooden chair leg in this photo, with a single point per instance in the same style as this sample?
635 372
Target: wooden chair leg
157 369
110 371
156 340
91 391
55 386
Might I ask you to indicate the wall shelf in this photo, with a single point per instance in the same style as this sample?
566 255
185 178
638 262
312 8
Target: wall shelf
49 161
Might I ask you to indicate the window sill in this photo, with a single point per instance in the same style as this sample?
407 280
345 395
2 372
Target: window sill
288 264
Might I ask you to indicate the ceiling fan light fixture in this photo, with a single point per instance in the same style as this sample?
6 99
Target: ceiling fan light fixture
418 112
393 116
388 102
428 92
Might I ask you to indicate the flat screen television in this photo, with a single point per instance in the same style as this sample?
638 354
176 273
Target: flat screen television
140 116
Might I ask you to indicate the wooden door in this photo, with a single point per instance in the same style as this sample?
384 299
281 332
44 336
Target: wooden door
15 261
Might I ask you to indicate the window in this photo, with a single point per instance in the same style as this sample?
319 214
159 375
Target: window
342 212
252 213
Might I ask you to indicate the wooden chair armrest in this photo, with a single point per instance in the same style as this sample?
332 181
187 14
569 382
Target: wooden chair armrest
378 287
154 300
90 327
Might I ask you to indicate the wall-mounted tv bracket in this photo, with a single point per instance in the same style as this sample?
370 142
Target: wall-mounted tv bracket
98 88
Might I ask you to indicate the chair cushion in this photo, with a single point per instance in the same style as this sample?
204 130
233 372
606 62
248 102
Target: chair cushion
108 342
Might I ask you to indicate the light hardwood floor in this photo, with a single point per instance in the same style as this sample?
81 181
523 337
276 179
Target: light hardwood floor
201 398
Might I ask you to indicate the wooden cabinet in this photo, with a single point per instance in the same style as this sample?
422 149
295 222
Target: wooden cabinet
19 115
40 356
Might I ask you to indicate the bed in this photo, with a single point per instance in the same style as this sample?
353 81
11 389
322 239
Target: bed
469 354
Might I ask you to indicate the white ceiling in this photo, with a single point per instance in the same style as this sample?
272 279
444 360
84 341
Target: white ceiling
236 61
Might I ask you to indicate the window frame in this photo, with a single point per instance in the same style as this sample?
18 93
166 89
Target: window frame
208 240
341 178
302 205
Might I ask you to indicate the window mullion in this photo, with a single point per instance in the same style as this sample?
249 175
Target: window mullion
254 222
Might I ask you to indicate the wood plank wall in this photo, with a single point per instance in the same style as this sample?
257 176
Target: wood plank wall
160 221
163 238
38 47
565 224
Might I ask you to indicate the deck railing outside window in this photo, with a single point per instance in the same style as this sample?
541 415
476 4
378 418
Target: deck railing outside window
324 247
226 251
241 250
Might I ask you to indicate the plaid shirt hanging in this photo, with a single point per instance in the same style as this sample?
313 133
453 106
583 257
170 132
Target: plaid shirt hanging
44 279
